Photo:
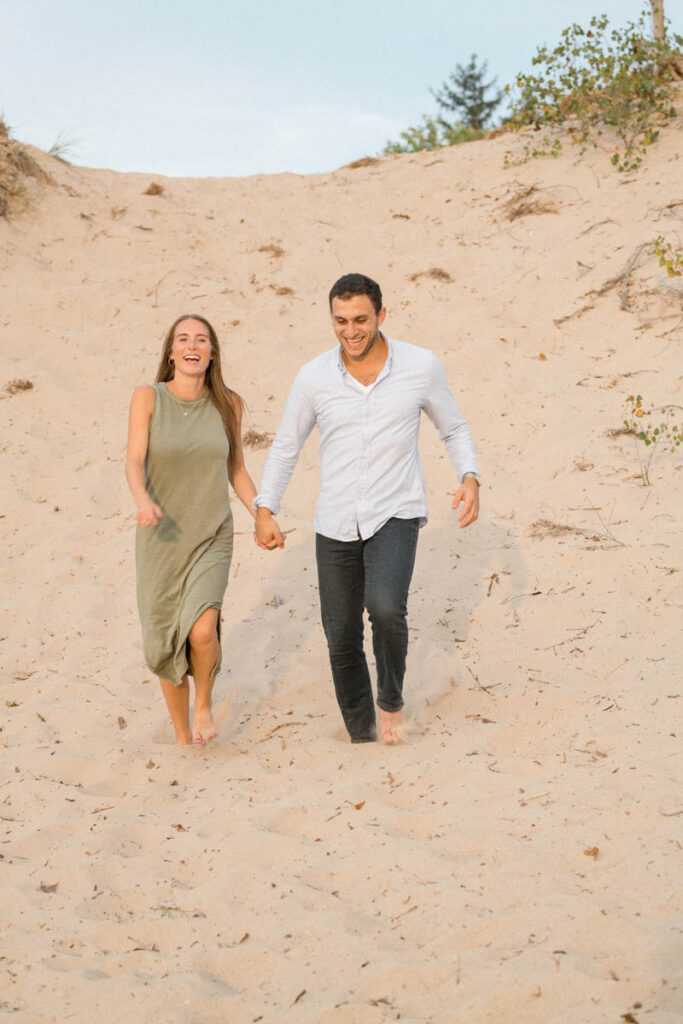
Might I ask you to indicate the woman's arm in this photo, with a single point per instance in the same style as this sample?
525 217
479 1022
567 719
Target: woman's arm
240 480
141 409
243 485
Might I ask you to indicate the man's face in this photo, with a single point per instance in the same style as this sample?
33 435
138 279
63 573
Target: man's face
356 325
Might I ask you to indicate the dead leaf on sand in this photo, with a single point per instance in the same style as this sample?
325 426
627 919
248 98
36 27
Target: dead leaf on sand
593 852
48 888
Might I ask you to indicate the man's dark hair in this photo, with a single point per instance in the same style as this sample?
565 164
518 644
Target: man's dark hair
357 284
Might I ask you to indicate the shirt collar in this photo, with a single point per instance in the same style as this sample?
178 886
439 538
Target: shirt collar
387 366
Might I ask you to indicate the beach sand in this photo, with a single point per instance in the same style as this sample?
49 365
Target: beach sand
518 859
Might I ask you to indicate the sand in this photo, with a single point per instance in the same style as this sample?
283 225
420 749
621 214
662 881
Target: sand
518 859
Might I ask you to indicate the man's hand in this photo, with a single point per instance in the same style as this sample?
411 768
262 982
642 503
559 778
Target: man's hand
468 494
267 533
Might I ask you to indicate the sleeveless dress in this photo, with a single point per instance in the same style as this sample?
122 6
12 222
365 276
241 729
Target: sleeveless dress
183 563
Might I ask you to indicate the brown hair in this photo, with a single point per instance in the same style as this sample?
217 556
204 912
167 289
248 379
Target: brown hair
357 284
227 401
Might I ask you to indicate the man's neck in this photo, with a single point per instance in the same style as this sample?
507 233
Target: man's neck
367 369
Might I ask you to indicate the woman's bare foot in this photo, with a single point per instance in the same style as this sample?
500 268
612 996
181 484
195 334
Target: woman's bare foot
203 725
392 725
183 737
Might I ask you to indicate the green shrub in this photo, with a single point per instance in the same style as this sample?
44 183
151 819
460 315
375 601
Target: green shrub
654 427
669 257
600 78
432 134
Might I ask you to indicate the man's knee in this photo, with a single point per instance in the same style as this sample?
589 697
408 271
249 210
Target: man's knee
387 610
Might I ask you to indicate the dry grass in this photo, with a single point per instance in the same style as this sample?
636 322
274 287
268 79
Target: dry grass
154 189
16 165
365 161
542 528
13 387
276 252
435 273
254 439
527 201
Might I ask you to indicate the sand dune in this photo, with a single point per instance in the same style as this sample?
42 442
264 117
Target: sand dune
518 859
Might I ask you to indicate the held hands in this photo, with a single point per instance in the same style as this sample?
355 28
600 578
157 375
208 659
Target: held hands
267 533
149 514
468 494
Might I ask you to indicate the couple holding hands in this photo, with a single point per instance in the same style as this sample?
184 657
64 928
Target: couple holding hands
366 396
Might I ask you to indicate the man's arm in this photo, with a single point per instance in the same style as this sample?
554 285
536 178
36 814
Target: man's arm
297 422
443 411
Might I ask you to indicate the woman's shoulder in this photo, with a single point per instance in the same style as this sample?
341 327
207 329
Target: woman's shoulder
143 396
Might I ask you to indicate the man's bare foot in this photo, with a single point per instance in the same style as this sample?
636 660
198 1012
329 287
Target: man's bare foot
203 725
392 725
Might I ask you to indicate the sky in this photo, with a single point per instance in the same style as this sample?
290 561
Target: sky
221 88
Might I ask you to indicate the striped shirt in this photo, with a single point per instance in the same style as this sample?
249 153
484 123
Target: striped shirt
370 466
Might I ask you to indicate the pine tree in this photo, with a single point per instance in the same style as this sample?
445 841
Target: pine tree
464 93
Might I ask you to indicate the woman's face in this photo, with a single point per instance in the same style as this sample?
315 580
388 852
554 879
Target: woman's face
191 348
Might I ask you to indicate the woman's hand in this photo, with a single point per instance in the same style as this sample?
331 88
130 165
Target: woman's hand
149 514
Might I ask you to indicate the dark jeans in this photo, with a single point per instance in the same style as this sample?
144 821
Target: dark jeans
373 574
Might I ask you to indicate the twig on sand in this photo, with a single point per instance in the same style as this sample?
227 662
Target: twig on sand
570 639
622 278
486 689
626 276
276 728
155 289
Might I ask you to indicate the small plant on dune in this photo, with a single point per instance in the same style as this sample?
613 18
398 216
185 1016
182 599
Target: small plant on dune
63 147
599 79
430 134
669 257
16 165
654 427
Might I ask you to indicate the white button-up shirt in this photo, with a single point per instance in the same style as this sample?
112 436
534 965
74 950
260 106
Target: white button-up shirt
370 466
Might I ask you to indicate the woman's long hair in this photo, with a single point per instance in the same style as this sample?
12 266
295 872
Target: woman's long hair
227 401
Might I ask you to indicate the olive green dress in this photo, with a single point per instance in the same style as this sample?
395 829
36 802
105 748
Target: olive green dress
183 563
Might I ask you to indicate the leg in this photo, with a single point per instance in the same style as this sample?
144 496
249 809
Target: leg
178 704
389 560
204 651
341 582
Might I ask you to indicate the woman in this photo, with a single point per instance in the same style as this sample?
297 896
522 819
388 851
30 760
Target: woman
184 447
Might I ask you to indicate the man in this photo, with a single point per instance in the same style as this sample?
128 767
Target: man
366 397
